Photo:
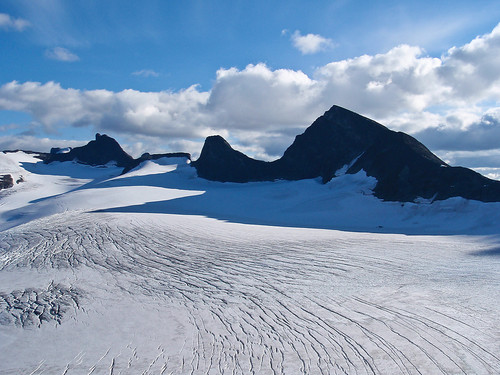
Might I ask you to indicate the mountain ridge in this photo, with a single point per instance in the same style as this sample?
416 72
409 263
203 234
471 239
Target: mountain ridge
404 168
338 142
100 151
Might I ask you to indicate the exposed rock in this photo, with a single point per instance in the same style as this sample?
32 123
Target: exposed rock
404 168
147 156
60 150
6 181
220 162
101 151
332 141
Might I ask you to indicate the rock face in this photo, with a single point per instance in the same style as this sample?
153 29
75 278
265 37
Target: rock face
147 156
404 168
101 151
220 162
6 181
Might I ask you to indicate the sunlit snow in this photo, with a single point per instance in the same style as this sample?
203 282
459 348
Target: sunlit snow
160 272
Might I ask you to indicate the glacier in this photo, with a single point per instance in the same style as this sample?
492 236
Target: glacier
160 272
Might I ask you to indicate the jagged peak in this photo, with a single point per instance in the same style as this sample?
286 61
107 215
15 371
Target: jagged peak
404 168
100 151
217 140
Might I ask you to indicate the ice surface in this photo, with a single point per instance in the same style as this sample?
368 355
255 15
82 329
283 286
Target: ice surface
159 272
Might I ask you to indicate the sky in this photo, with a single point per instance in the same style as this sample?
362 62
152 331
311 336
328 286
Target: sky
160 76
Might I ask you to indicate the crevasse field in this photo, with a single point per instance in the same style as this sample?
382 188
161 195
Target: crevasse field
160 272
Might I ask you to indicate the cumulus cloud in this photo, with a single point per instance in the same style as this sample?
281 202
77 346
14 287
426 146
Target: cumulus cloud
400 80
9 23
449 103
258 97
61 54
146 73
127 111
472 71
310 43
481 135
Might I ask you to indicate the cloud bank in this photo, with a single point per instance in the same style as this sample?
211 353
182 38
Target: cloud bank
450 102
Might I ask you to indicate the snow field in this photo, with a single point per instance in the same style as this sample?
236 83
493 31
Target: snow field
160 272
178 294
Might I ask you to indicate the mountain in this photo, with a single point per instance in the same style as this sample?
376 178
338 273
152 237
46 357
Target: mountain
342 141
158 271
147 156
339 142
218 161
101 151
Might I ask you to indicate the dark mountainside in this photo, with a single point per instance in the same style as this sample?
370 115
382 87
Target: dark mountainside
147 156
404 168
220 162
99 152
103 150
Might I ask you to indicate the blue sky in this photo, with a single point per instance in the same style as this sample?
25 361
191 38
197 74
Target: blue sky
162 75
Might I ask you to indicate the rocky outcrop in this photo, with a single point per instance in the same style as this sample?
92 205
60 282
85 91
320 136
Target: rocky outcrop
404 168
6 181
220 162
147 156
101 151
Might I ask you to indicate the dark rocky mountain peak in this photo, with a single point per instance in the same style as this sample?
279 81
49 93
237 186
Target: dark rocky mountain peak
341 139
218 161
100 151
332 141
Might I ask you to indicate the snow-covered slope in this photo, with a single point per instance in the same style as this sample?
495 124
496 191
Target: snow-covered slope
170 186
160 272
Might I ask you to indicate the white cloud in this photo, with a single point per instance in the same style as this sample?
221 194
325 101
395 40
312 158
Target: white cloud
472 71
61 54
260 98
310 43
128 111
465 135
450 103
146 73
9 23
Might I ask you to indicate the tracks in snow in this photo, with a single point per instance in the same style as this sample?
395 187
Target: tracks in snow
278 301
